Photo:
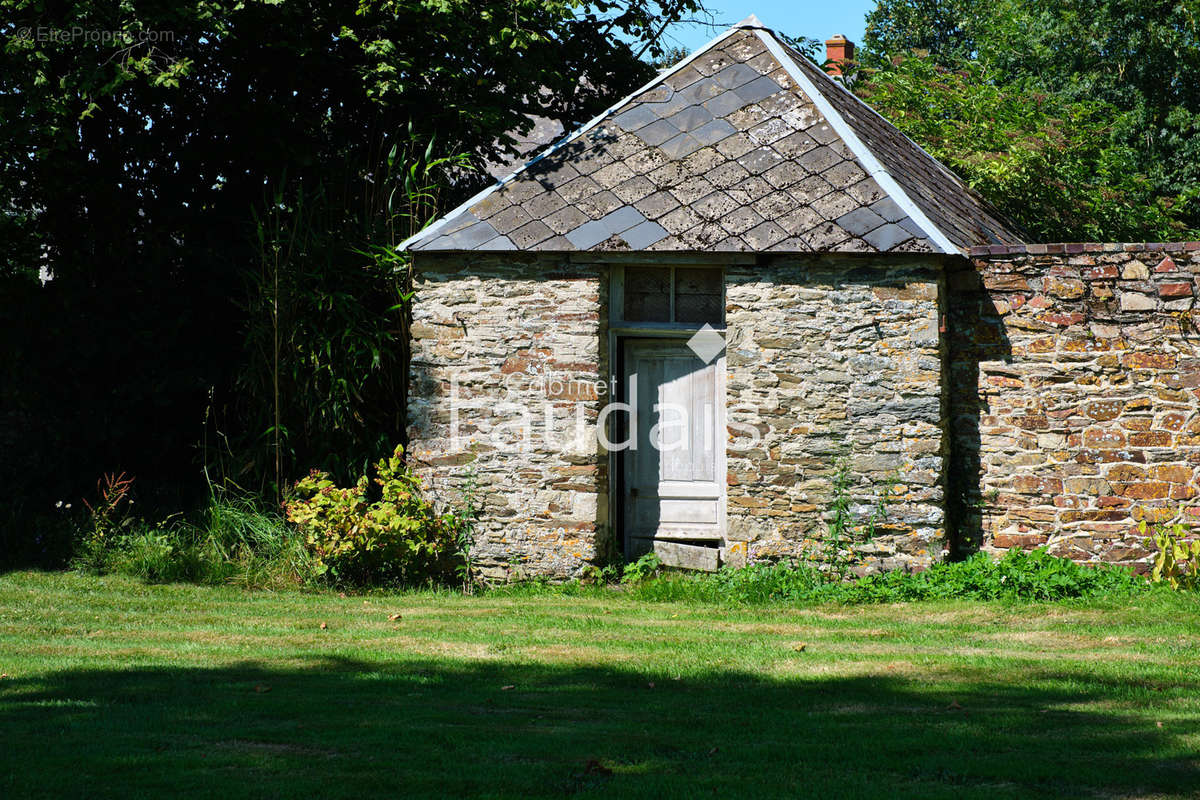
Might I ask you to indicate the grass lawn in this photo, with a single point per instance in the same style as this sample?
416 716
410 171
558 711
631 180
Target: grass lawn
112 688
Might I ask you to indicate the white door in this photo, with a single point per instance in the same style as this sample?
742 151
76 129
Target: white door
674 475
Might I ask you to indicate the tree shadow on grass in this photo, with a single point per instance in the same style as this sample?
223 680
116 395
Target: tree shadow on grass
339 728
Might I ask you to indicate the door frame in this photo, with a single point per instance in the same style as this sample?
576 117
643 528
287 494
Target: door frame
620 331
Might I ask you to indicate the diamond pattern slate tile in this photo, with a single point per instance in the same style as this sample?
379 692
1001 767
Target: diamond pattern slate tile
712 62
845 173
498 243
510 219
544 205
646 161
860 221
762 236
530 234
634 189
886 237
700 91
780 103
578 189
557 243
691 118
769 131
657 132
701 161
599 204
760 160
825 236
656 205
723 104
774 205
801 220
680 220
811 188
588 235
750 190
740 220
727 175
760 88
622 219
639 237
715 206
685 77
736 145
867 192
566 219
463 220
726 153
785 174
888 209
471 238
613 174
792 244
635 118
834 205
682 145
735 75
731 244
716 131
819 160
704 236
692 190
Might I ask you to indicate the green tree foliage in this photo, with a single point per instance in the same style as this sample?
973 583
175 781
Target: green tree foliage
216 186
1114 86
1049 164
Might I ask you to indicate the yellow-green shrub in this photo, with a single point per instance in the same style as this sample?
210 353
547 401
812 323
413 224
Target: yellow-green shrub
354 538
1177 560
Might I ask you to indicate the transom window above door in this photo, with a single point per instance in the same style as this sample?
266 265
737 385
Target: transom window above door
689 296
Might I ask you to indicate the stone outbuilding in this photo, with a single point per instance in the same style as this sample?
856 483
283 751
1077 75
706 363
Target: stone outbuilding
715 314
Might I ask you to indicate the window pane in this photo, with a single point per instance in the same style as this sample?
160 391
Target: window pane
698 296
648 294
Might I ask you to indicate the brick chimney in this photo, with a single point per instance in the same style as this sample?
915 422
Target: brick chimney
838 50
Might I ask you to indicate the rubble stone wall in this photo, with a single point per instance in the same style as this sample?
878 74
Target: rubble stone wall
835 361
1075 378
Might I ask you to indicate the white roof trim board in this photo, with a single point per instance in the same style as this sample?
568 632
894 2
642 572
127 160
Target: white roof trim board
719 153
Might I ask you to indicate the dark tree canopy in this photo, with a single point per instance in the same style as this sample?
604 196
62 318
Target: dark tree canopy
162 135
216 186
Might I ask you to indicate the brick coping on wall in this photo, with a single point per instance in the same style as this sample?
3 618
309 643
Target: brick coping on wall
1072 248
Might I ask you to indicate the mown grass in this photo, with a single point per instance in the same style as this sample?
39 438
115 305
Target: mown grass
115 688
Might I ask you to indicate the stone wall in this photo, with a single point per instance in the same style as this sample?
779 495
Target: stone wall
493 336
831 359
1076 391
828 359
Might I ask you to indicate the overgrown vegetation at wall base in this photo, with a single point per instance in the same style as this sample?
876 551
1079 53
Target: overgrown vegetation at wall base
232 541
382 531
1020 576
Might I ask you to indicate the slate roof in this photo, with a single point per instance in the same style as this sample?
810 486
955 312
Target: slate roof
743 146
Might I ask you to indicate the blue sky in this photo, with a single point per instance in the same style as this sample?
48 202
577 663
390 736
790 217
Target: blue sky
818 19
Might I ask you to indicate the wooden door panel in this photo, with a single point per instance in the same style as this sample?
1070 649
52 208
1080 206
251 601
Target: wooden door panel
672 479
